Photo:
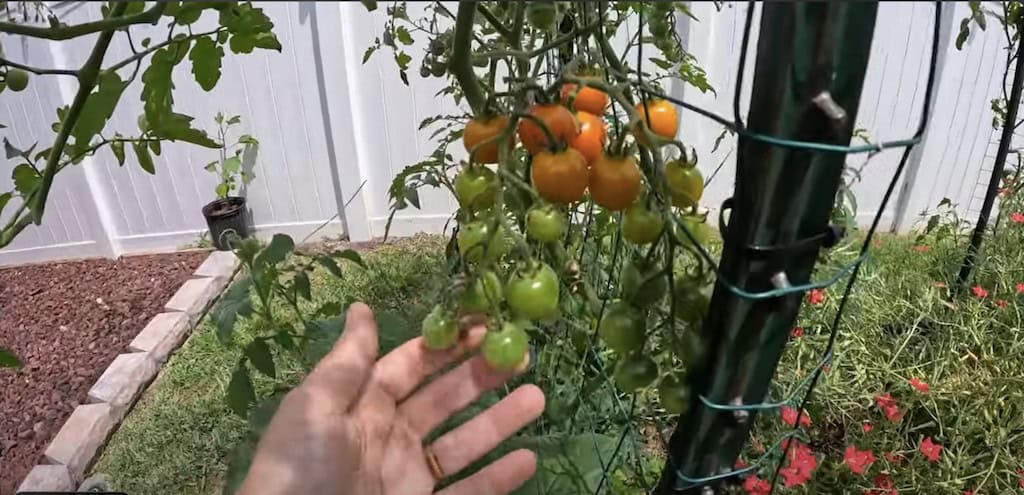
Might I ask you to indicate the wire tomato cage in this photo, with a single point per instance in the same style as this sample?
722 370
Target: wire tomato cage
803 391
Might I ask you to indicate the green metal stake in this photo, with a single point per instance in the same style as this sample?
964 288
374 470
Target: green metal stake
811 60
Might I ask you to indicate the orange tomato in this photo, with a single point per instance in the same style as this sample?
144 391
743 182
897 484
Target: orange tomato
559 121
615 182
664 119
481 129
592 137
560 176
590 100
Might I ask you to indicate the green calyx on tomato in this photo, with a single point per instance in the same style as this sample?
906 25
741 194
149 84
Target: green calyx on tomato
641 225
643 283
475 187
673 394
506 349
533 292
545 223
634 372
440 329
685 183
622 327
482 294
482 240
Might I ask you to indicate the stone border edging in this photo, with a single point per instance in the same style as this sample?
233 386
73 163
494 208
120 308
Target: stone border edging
84 434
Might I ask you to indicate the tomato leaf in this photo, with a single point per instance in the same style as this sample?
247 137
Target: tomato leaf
369 52
178 127
26 179
329 263
235 303
4 199
301 285
206 59
320 338
145 160
157 87
403 35
8 359
117 147
275 252
259 355
350 255
370 5
240 391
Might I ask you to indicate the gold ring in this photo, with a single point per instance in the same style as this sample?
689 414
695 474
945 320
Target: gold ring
433 464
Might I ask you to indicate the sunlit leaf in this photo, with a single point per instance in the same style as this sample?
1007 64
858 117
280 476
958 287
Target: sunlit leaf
26 179
206 59
350 255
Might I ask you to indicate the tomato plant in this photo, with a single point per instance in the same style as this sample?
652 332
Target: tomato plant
585 99
622 328
533 292
506 348
592 137
660 116
640 225
481 137
475 187
480 240
685 183
440 329
635 371
643 282
484 293
557 121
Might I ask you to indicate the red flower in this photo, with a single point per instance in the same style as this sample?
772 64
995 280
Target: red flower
858 460
789 416
867 427
888 405
1020 472
884 485
801 464
968 492
757 486
922 387
1005 191
1020 287
740 464
979 291
1017 217
894 458
816 297
798 332
1002 303
941 285
922 248
932 451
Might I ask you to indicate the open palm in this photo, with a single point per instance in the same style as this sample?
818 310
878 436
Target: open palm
356 425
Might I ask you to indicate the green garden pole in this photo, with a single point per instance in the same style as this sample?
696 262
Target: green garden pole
811 60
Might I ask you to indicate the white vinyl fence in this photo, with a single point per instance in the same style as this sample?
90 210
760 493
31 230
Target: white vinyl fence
334 132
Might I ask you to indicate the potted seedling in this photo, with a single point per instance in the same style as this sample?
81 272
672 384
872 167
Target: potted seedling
226 216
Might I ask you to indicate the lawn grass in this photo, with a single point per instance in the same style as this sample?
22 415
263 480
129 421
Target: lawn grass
178 437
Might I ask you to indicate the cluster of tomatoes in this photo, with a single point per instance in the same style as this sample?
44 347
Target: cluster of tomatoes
569 158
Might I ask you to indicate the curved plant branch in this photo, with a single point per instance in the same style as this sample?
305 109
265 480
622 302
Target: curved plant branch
110 24
37 70
461 64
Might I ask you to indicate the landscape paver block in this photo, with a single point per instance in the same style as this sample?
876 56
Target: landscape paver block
47 478
123 381
81 438
218 264
195 295
161 336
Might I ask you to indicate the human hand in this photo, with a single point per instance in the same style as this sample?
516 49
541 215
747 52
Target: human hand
356 424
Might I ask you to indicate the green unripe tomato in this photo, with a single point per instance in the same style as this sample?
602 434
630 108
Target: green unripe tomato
545 224
622 327
691 302
475 187
533 293
440 329
482 294
641 225
635 372
542 15
479 241
642 284
673 394
505 349
17 79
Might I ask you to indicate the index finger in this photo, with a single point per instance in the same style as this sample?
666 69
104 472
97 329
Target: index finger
344 370
402 370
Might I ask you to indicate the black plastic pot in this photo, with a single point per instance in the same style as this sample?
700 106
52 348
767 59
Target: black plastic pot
226 219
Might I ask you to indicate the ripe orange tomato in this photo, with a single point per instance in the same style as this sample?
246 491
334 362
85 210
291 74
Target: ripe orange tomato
615 182
481 129
592 137
560 176
590 100
558 119
664 119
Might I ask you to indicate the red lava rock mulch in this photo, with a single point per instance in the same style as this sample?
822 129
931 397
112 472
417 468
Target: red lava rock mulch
67 321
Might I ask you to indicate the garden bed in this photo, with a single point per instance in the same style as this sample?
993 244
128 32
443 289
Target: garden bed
66 322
